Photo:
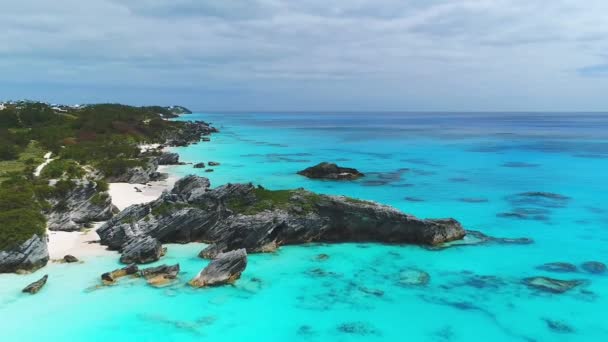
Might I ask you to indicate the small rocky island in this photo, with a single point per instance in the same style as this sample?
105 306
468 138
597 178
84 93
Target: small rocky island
331 171
243 216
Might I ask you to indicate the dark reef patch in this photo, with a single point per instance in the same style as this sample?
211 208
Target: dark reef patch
413 199
594 267
420 161
558 326
558 267
551 285
357 328
458 179
520 165
473 200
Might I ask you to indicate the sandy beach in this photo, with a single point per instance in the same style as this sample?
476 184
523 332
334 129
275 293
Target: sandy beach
123 195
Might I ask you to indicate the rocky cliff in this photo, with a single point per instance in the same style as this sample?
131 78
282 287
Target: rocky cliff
29 256
237 216
82 204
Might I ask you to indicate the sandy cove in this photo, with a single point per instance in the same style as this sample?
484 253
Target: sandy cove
85 243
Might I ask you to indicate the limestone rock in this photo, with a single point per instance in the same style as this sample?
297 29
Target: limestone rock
226 268
141 250
29 256
34 287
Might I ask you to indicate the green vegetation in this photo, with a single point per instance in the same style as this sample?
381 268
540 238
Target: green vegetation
275 199
165 209
20 212
104 137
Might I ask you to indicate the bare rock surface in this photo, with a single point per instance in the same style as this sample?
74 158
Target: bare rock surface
226 268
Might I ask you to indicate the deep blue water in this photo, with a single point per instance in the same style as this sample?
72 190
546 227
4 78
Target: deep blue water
479 168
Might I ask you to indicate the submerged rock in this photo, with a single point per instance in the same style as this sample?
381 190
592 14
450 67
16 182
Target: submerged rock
212 163
413 277
29 256
236 216
160 275
226 268
594 267
141 250
552 285
560 267
331 171
559 327
111 277
70 258
34 287
474 238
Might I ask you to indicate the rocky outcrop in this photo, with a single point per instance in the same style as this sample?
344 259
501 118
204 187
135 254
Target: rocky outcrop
212 163
82 205
237 216
331 171
34 287
167 158
143 174
226 268
109 278
29 256
189 133
160 275
199 165
141 250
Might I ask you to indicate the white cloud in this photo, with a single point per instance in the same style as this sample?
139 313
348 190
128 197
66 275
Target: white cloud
394 47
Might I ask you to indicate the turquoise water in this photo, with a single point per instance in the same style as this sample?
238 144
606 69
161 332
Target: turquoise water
467 166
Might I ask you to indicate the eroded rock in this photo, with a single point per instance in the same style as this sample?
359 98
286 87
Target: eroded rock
552 285
29 256
141 250
34 287
226 268
160 275
111 277
70 259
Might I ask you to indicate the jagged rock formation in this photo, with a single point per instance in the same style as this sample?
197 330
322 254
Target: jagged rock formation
190 133
29 256
330 171
34 287
141 250
139 174
226 268
81 205
237 216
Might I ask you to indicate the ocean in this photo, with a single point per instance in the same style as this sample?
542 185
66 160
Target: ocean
540 176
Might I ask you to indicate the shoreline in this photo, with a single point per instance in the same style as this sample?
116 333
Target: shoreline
86 243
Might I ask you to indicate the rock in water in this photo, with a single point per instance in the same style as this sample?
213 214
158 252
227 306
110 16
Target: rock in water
199 166
29 256
70 258
111 277
141 250
226 268
160 275
551 285
594 267
327 170
212 163
34 287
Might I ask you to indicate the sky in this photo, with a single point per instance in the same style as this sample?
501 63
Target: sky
309 55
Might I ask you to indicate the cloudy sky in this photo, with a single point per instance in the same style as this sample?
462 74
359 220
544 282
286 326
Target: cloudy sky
427 55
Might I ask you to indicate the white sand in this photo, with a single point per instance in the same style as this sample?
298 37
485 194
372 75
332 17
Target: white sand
123 195
77 244
47 160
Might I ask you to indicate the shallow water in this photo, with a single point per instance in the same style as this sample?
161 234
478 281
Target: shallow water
476 168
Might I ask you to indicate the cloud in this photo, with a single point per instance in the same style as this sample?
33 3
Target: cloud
392 54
